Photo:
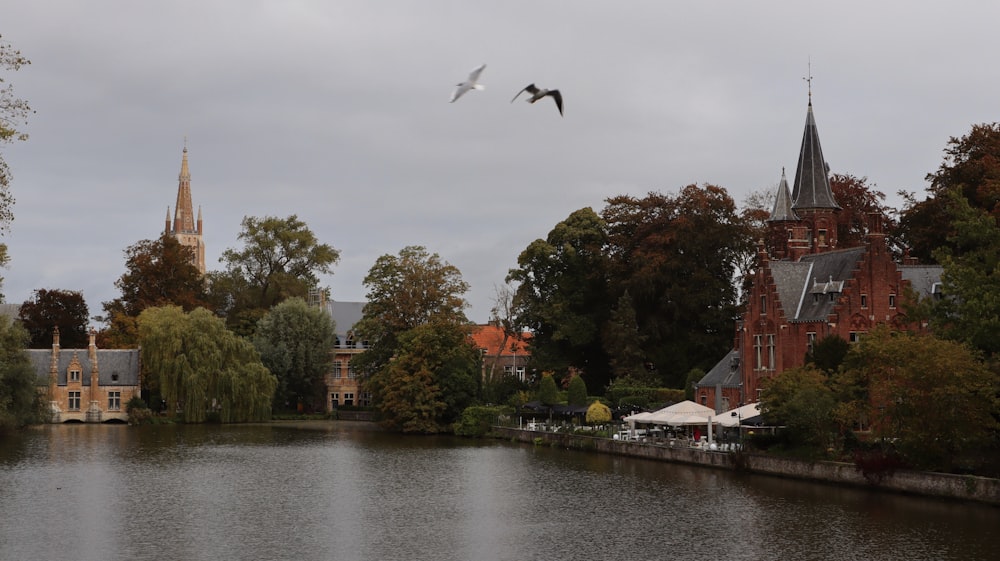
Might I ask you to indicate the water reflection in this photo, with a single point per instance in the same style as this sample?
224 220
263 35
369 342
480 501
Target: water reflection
345 491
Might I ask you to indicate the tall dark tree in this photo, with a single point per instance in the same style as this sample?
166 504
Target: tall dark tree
969 312
677 257
50 309
157 273
625 344
860 203
972 168
563 296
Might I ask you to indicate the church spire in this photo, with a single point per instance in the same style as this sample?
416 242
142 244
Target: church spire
811 189
184 209
186 228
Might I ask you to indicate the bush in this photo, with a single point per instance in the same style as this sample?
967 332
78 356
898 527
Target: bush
477 420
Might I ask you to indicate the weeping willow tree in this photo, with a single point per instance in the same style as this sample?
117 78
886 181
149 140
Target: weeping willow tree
203 367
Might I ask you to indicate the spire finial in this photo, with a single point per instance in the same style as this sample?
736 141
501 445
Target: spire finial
809 81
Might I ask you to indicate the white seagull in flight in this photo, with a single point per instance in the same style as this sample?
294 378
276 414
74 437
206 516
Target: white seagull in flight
470 83
539 93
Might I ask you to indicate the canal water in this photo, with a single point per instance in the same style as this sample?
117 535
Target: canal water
344 491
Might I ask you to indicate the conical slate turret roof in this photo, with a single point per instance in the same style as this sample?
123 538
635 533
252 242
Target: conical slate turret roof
782 203
812 185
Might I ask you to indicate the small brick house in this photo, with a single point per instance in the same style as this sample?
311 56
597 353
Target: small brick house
806 288
87 385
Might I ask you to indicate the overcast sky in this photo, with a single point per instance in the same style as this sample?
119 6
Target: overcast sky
338 112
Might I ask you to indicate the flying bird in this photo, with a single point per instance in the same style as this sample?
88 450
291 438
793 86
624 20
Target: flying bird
539 93
470 83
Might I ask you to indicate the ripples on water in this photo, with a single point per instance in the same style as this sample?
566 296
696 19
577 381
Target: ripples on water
342 491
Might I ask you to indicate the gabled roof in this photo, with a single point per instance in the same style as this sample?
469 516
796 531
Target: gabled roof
804 286
924 279
345 315
726 372
812 184
116 367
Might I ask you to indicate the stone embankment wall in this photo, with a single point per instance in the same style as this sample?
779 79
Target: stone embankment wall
963 487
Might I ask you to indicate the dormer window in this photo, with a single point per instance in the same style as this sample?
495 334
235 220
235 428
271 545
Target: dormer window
74 375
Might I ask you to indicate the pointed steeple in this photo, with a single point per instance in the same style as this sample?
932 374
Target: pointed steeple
782 203
185 228
811 189
184 209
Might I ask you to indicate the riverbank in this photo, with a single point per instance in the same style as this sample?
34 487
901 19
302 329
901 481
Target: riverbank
958 487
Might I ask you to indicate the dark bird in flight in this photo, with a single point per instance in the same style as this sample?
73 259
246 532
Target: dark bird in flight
470 83
539 93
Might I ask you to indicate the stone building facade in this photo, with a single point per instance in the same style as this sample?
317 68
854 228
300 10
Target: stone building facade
87 385
343 385
806 287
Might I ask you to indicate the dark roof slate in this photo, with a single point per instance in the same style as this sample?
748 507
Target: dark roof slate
812 184
116 367
782 203
726 372
805 286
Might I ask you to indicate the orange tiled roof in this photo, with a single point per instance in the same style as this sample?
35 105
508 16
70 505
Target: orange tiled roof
490 337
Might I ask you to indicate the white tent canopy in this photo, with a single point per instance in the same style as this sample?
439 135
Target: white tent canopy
734 417
683 413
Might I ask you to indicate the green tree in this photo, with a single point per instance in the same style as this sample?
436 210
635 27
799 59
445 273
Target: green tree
294 342
677 257
693 377
562 296
624 343
281 258
548 391
62 309
204 368
158 272
970 310
576 392
828 353
800 400
931 398
21 403
431 380
971 168
406 291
